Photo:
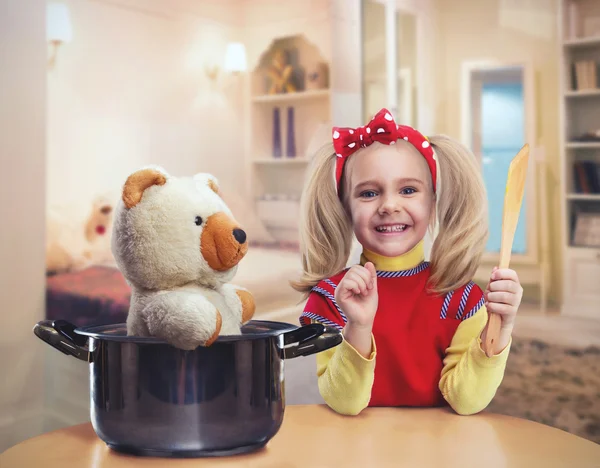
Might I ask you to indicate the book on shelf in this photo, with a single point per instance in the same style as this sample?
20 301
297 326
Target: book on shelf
583 20
586 176
585 75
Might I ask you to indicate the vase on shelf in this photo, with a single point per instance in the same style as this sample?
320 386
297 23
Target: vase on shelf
276 133
291 137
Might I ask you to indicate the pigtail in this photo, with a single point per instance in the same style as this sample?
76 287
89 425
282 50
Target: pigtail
325 227
462 217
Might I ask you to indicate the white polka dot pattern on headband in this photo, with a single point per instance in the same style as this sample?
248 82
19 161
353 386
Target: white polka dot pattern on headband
382 129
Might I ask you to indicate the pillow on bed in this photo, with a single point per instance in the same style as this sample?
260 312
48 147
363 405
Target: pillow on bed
244 213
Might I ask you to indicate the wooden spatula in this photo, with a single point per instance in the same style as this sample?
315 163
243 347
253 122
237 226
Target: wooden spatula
513 197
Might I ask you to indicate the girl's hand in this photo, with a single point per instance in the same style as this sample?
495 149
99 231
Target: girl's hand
357 295
503 297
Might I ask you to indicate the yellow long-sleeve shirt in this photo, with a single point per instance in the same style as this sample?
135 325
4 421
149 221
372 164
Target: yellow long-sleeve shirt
468 380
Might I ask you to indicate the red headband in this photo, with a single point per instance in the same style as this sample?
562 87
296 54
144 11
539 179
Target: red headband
383 129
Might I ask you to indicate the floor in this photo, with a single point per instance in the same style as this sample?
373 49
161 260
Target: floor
557 329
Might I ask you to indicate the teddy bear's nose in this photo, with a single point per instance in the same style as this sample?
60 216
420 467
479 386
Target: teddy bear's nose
239 235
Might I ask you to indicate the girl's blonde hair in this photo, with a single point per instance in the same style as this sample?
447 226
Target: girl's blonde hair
326 229
462 216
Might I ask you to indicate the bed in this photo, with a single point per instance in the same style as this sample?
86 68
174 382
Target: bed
99 294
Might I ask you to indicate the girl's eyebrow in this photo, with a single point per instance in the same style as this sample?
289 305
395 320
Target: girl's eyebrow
365 183
404 180
410 180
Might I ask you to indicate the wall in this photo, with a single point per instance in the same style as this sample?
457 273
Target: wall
22 157
131 90
474 30
374 49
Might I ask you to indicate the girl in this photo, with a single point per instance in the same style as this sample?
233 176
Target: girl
423 322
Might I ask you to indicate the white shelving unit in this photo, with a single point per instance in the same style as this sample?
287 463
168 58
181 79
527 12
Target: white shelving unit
276 182
579 114
316 32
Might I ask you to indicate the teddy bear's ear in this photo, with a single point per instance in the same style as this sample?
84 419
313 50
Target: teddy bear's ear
138 182
208 179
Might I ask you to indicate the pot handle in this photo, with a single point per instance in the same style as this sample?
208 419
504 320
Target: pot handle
61 335
310 339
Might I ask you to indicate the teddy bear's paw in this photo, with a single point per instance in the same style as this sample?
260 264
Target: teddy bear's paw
215 335
248 306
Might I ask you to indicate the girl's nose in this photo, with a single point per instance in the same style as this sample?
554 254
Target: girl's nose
390 204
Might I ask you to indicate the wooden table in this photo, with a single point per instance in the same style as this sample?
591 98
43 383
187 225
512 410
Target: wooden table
316 437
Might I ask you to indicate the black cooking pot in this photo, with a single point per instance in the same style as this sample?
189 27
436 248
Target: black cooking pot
149 398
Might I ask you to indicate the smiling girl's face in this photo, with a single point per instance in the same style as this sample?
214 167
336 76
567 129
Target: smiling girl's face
390 197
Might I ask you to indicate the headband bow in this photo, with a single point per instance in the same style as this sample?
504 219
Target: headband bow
383 129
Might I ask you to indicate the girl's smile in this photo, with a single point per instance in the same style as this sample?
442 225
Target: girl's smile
391 229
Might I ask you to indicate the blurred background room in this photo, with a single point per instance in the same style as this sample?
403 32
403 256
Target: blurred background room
247 90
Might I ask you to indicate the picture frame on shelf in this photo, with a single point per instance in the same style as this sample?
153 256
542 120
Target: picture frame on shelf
587 230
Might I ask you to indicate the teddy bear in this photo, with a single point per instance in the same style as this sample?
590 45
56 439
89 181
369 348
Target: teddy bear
178 246
73 242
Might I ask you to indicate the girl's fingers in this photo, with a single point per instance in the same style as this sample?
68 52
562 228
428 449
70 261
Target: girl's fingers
505 274
504 285
359 286
351 285
503 297
372 275
362 284
365 274
500 309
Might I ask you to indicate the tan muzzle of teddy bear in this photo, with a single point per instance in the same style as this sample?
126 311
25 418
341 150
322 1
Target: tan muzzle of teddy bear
222 243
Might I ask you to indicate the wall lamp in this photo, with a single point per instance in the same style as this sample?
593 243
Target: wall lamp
58 28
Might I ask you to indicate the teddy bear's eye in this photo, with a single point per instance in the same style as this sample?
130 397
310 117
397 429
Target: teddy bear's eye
198 220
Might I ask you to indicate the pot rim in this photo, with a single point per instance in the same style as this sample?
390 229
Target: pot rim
253 326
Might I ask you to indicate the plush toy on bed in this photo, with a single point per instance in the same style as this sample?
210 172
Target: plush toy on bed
75 242
178 245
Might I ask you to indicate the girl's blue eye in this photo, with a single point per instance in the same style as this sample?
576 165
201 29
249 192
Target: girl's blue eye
407 191
368 194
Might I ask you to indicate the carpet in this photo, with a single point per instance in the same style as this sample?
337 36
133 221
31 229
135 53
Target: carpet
552 385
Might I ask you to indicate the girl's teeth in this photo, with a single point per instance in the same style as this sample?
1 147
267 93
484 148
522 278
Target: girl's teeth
397 228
